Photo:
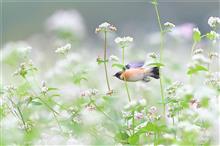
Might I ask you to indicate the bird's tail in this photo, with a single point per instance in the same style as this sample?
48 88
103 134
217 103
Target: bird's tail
155 73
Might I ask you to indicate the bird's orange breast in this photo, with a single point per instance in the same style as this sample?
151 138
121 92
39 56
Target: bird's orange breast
133 75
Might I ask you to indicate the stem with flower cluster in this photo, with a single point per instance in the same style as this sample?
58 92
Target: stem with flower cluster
105 58
161 53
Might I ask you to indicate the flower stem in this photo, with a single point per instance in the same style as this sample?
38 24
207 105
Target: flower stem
126 87
161 54
126 84
105 56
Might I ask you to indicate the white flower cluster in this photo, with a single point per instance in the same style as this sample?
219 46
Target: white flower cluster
171 91
89 92
168 26
113 58
64 49
67 20
44 88
9 89
105 27
213 21
198 57
213 80
123 41
24 68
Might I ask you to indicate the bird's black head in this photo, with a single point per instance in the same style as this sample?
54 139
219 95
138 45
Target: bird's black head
118 74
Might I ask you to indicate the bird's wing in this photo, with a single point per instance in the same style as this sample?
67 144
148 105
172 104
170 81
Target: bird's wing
136 64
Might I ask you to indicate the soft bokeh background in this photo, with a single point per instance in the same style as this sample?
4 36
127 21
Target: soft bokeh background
35 29
22 18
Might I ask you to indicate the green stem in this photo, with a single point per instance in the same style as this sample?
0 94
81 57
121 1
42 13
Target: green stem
161 54
126 84
126 87
19 114
105 58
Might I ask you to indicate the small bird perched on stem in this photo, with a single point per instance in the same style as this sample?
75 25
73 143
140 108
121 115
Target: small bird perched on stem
138 72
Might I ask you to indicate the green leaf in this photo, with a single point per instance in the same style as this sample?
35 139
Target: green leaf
156 64
196 69
134 139
100 61
122 137
51 89
196 36
118 65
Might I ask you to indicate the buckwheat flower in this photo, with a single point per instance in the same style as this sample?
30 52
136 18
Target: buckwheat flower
200 58
10 89
168 26
153 110
123 42
131 104
168 136
113 58
44 88
105 27
142 102
198 51
89 92
194 104
64 49
69 21
213 21
213 54
138 115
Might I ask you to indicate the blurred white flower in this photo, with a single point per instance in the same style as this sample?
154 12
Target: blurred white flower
15 50
138 115
44 88
113 58
90 117
105 27
89 92
67 20
198 51
64 49
123 41
168 26
188 127
168 136
200 58
213 21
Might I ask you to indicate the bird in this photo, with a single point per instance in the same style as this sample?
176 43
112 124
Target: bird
136 71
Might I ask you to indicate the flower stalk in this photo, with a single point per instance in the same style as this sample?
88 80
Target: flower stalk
154 2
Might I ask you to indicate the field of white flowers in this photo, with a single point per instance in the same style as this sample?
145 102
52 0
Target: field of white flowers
67 94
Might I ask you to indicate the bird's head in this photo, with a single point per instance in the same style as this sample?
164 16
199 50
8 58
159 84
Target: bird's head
118 74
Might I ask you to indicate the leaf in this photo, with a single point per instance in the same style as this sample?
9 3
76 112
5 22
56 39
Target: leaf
156 64
122 137
196 69
51 89
118 65
100 61
196 36
134 139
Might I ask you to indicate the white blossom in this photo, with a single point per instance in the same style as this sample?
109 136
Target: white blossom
105 27
213 21
123 41
64 49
